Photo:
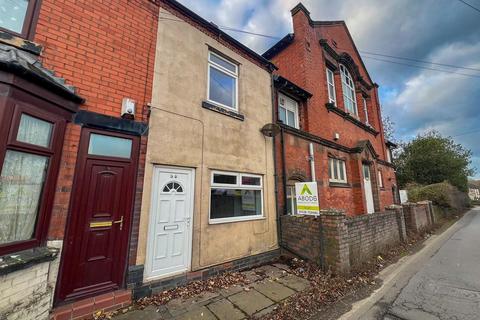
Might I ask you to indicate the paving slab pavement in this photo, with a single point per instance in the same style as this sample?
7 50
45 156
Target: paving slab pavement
196 314
225 310
294 282
251 301
268 286
274 290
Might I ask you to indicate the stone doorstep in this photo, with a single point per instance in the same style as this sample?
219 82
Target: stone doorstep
84 309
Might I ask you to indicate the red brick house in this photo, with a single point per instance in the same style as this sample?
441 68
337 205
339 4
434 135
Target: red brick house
75 80
329 112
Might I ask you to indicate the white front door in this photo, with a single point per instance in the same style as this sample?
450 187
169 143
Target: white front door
367 183
170 231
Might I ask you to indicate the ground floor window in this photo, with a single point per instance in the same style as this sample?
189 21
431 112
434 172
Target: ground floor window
28 164
337 170
380 179
235 197
291 200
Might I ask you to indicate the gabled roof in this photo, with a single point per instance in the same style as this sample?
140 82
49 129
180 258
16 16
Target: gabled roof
210 26
366 144
279 46
288 39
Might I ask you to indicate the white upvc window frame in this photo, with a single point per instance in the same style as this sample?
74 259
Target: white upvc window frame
389 155
348 86
334 170
236 186
289 105
212 64
365 109
380 179
332 96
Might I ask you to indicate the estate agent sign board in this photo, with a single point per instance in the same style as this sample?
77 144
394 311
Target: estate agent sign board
307 198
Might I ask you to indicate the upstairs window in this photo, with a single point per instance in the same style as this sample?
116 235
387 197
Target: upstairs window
288 111
337 170
222 82
331 87
348 88
365 109
16 16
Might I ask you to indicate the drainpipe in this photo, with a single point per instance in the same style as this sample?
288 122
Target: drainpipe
275 166
311 158
284 172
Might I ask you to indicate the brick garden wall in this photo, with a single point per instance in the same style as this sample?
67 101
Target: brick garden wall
342 243
369 235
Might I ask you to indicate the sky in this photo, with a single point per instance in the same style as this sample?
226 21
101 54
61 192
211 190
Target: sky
416 99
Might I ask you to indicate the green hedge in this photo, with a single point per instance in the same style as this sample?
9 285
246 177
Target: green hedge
441 194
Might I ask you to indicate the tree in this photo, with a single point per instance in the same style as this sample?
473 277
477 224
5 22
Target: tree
431 158
389 128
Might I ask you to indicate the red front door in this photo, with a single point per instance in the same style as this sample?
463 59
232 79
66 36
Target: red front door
95 247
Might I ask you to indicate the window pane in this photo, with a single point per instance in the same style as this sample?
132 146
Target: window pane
335 169
108 146
12 14
341 168
251 181
21 185
227 65
230 203
222 88
224 179
291 118
282 115
34 131
330 164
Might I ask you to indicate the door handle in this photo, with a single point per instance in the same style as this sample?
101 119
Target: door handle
119 222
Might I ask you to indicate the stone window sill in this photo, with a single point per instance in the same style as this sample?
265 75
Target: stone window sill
347 116
339 185
224 111
26 258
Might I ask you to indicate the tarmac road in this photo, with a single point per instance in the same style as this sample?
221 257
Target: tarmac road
448 285
439 282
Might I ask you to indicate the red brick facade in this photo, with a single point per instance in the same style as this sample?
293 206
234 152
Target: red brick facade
302 58
106 50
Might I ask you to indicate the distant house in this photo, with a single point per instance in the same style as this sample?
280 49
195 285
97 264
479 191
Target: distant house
473 192
331 126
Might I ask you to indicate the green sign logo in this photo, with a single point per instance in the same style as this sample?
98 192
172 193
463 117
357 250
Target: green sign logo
305 190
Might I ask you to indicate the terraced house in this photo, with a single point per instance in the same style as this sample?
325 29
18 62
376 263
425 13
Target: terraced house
328 108
75 80
209 191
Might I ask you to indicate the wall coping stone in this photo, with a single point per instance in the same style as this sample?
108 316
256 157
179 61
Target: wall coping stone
26 258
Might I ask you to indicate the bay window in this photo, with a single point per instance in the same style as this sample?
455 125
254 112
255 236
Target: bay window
16 16
235 197
348 88
29 161
288 111
337 170
222 82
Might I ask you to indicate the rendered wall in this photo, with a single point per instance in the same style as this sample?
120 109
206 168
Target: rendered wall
184 134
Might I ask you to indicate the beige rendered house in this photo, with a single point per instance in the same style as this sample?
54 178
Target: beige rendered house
209 189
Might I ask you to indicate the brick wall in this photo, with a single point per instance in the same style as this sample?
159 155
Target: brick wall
106 50
371 234
342 243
